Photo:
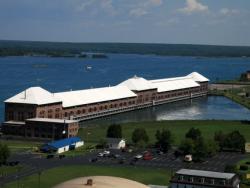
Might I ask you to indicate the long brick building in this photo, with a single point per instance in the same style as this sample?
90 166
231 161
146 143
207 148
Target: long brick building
39 104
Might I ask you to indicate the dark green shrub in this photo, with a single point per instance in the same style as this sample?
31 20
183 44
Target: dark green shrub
243 167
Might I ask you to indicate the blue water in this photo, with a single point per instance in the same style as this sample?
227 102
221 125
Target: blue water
219 108
62 74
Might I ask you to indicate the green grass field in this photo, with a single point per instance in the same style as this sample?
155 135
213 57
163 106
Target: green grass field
178 129
7 170
55 176
17 145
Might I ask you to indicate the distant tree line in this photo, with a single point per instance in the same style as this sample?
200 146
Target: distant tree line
67 49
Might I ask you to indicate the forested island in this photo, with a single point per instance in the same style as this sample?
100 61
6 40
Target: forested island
68 49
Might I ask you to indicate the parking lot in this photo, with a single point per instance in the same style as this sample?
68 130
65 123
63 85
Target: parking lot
215 163
35 163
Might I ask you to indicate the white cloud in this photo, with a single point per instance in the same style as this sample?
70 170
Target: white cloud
84 5
226 11
142 9
193 6
107 5
137 12
169 22
104 5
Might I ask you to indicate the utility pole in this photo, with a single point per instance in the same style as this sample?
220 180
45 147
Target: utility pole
39 178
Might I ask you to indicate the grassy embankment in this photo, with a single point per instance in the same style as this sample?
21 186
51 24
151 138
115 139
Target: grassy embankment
237 95
19 146
178 129
52 177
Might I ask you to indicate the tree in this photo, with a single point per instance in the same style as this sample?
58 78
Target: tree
187 146
229 168
212 147
193 134
139 135
200 149
164 140
219 137
235 141
4 153
114 131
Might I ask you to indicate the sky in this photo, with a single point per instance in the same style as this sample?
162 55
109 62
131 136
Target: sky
219 22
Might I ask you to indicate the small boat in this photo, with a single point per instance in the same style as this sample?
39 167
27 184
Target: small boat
88 67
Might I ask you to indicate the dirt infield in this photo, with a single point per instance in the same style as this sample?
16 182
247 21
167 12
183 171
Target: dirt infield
101 182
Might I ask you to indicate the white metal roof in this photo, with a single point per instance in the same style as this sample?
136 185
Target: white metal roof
33 95
40 96
137 84
197 77
171 84
88 96
202 173
52 120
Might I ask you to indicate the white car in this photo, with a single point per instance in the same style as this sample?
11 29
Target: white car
138 156
106 152
100 154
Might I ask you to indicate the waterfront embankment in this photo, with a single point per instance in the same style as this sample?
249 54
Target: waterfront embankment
239 93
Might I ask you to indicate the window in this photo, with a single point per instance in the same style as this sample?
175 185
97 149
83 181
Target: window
11 115
83 111
65 114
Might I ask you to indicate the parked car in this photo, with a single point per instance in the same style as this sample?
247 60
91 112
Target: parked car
138 156
100 154
106 153
122 160
147 156
50 156
93 160
188 158
61 156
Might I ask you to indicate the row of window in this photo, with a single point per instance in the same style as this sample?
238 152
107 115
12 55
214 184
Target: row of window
21 116
95 109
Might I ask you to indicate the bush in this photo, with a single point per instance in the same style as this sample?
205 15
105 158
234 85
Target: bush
230 168
243 167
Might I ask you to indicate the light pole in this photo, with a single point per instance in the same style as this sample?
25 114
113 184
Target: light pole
39 178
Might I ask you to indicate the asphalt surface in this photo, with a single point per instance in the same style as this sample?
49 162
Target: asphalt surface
33 164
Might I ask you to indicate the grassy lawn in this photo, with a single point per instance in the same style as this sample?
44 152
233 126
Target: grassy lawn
7 170
55 176
17 145
178 129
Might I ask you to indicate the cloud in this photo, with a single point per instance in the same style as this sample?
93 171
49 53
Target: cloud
104 5
84 5
138 12
142 9
226 11
193 6
169 22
